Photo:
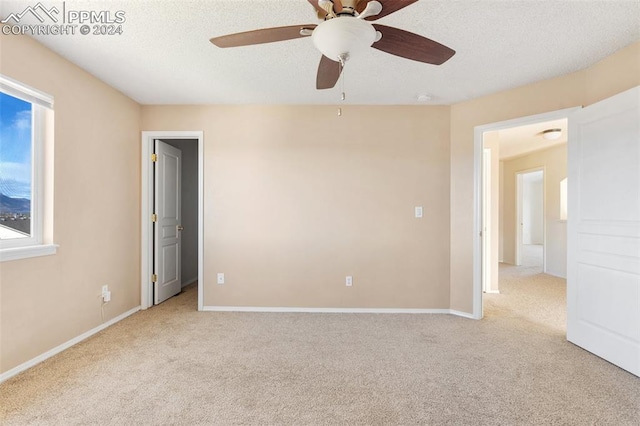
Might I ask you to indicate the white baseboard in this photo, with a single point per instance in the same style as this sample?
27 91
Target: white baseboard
34 361
553 274
461 314
187 282
37 360
492 291
333 310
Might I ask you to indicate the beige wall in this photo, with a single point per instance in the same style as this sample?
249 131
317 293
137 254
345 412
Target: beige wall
297 198
554 162
616 73
47 301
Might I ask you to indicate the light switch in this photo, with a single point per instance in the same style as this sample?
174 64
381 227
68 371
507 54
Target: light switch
419 211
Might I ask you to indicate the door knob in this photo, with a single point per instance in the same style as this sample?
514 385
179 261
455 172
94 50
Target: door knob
180 227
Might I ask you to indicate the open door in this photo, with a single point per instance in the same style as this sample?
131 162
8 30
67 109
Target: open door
167 225
603 265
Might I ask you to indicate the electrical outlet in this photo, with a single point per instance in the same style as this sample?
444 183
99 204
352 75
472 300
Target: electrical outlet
220 278
349 281
106 294
418 211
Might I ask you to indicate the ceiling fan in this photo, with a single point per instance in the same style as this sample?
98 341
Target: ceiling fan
346 32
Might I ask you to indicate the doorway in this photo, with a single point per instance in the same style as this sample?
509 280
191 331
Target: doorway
501 230
189 208
602 166
530 239
191 145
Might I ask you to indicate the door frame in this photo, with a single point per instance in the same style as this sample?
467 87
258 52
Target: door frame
519 214
478 150
146 209
487 213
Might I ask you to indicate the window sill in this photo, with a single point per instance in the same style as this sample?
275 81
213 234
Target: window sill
26 252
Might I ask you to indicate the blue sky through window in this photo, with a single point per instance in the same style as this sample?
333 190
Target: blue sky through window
15 147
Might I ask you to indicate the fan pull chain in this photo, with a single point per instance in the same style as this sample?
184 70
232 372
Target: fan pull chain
343 95
342 77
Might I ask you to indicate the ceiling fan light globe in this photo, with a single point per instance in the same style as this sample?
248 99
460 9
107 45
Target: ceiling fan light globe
343 36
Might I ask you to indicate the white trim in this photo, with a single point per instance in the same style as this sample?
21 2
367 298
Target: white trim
27 252
462 314
332 310
517 260
492 291
556 275
146 228
26 93
487 156
200 220
66 345
477 189
38 164
35 237
146 258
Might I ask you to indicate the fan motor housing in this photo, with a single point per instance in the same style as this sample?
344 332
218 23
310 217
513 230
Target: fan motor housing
344 36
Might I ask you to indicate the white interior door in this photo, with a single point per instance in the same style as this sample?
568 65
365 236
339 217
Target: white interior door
166 230
603 262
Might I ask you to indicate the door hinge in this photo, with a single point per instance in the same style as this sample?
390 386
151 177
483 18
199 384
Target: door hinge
154 218
154 157
154 278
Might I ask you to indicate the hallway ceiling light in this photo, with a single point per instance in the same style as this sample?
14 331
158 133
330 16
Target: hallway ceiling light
552 134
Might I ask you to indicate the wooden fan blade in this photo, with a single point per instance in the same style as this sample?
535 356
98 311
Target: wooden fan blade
388 7
266 35
315 4
411 46
337 6
328 73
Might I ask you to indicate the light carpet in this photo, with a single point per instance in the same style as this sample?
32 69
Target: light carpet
174 365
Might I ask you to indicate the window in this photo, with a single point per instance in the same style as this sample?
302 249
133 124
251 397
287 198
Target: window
23 113
563 199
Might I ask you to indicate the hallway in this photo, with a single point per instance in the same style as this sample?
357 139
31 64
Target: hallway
528 293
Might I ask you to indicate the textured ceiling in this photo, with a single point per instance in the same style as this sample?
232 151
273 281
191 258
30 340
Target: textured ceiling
164 55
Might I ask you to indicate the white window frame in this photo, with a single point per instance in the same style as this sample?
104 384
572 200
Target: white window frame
35 245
